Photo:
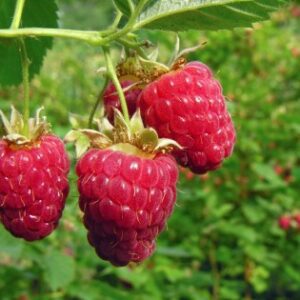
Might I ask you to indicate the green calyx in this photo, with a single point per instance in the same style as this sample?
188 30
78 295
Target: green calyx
132 138
19 133
140 70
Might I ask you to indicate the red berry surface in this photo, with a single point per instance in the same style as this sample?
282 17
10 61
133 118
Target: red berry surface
284 222
126 201
33 187
188 106
111 99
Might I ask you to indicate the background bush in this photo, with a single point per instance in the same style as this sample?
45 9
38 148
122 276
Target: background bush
223 241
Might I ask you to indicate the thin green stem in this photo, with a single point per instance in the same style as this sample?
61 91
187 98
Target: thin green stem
106 32
117 20
17 14
140 7
130 26
97 103
92 37
135 46
113 76
131 5
24 62
96 38
25 72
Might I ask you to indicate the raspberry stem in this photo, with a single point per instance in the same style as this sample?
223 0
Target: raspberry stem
96 38
97 103
131 5
117 20
113 76
17 14
129 27
25 73
24 61
137 46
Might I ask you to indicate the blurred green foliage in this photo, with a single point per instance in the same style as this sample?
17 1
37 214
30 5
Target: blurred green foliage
223 241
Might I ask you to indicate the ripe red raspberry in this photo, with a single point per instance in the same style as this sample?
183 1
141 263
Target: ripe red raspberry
187 106
126 200
296 217
33 187
285 222
111 99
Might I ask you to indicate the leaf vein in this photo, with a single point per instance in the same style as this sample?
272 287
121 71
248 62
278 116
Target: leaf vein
240 11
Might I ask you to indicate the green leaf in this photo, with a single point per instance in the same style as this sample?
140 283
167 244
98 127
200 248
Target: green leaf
172 252
259 279
59 269
171 274
222 210
36 14
267 173
95 290
9 244
174 15
253 213
241 231
124 7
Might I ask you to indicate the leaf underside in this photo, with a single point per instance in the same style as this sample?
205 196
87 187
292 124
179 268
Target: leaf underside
36 14
180 15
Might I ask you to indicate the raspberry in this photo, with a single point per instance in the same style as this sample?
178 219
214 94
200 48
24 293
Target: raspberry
111 99
33 187
284 222
187 106
296 217
126 200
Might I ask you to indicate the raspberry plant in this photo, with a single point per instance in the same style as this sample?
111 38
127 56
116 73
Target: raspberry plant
30 34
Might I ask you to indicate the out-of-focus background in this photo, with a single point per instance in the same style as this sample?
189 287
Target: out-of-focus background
223 240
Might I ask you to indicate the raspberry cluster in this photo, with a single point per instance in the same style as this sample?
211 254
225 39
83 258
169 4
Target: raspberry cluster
126 199
186 105
128 173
